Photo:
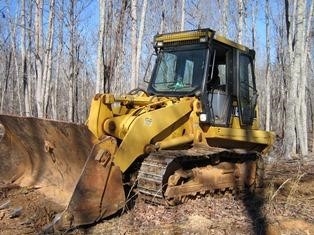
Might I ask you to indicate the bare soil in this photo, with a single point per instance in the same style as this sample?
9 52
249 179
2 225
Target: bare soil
284 206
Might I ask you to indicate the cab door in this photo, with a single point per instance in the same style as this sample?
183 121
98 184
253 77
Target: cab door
246 89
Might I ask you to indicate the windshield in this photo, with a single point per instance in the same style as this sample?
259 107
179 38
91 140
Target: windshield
179 71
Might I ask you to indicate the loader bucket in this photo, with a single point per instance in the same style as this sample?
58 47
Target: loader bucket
61 160
99 192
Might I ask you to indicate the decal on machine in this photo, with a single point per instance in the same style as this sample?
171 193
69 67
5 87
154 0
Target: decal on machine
148 121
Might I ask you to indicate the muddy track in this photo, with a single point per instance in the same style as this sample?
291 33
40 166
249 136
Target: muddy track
173 177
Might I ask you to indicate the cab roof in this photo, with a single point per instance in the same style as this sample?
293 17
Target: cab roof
200 35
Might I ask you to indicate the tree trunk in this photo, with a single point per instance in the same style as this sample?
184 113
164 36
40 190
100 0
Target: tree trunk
297 73
134 78
182 15
30 82
140 38
253 27
72 67
13 35
108 47
240 20
8 62
39 57
24 72
290 114
225 11
100 50
48 57
162 21
267 119
116 66
55 96
296 125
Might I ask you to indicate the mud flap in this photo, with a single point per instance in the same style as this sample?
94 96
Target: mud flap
99 192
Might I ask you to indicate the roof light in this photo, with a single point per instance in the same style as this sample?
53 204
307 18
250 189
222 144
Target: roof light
203 39
159 44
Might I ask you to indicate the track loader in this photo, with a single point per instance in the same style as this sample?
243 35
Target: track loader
194 131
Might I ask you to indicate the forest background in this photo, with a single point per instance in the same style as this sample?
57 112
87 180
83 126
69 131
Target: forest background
56 55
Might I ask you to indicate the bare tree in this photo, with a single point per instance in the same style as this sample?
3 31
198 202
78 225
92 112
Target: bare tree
16 78
267 74
241 12
100 51
39 56
48 57
24 73
140 38
73 64
7 71
295 127
253 26
182 15
162 21
134 72
55 86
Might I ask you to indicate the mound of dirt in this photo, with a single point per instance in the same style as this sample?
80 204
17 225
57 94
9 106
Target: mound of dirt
24 210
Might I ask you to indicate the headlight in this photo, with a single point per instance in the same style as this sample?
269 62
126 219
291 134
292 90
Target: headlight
203 117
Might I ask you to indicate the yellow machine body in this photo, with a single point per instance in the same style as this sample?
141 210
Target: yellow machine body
164 123
181 137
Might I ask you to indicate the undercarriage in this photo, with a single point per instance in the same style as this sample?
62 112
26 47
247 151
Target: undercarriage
172 177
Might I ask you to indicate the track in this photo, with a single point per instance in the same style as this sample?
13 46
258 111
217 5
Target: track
173 176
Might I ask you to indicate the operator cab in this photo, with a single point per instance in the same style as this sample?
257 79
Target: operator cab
211 67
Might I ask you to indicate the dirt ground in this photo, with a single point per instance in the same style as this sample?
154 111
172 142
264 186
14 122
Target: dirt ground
285 206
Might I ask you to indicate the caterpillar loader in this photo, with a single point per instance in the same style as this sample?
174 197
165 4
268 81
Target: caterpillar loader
194 131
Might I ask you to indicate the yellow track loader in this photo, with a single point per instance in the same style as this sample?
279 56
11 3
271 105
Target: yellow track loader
194 131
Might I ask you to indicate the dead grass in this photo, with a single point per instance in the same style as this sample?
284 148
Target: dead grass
284 207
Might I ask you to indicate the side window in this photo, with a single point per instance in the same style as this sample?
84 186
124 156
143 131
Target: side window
218 72
246 90
222 74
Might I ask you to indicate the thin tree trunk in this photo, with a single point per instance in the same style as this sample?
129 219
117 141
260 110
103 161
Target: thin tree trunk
134 82
108 47
48 57
140 38
100 50
267 119
55 98
29 83
301 44
118 49
225 11
162 21
240 20
289 128
16 65
8 62
182 15
72 75
306 60
253 28
39 57
24 74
